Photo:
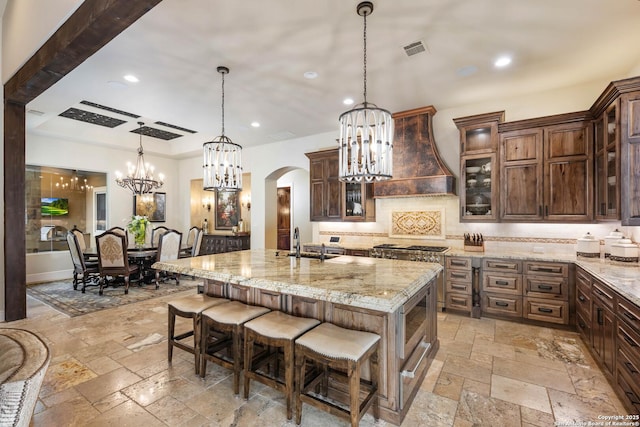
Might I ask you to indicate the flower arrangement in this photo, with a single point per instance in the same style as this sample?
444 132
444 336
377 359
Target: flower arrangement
138 227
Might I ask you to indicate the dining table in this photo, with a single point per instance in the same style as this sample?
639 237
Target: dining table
143 256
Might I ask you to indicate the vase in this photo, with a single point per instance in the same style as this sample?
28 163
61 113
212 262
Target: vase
139 236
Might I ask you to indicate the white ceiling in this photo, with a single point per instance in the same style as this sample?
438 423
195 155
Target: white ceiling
268 45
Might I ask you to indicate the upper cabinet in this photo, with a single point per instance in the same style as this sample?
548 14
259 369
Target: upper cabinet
546 169
479 166
332 200
617 149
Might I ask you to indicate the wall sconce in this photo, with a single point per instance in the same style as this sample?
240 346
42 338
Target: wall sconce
206 203
246 201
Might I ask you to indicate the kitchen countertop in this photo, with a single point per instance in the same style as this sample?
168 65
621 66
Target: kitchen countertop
371 283
625 279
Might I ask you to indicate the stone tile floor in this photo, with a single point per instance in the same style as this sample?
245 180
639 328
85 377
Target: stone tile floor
109 369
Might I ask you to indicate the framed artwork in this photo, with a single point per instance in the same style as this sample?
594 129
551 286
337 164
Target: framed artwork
152 205
227 212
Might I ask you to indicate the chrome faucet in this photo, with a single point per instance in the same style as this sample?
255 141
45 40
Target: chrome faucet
323 251
296 238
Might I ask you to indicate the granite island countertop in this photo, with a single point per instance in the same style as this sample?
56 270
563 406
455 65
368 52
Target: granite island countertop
371 283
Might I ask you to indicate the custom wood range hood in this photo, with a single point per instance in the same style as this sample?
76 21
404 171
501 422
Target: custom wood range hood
417 167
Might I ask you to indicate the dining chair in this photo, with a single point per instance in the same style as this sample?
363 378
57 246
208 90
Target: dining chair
197 244
191 236
120 231
82 244
156 233
168 249
88 270
113 259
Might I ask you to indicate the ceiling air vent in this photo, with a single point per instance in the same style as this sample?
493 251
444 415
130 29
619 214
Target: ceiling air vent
111 109
180 128
414 48
156 133
89 117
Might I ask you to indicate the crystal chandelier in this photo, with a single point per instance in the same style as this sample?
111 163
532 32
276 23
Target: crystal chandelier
139 178
366 132
222 163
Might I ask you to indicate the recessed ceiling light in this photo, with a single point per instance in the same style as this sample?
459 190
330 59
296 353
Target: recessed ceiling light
347 101
255 124
310 75
131 78
503 61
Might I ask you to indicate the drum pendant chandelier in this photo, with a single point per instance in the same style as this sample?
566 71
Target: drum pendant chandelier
366 132
222 163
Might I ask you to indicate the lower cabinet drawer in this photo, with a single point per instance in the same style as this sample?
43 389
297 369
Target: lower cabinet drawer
500 304
546 287
546 310
584 327
460 288
458 275
627 380
583 303
456 301
502 283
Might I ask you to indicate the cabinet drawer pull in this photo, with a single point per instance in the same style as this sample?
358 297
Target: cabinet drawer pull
458 263
545 310
545 287
501 266
628 339
630 367
502 283
582 325
502 304
454 274
632 397
460 287
630 316
547 269
582 298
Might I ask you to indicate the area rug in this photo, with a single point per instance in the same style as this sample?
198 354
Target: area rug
61 296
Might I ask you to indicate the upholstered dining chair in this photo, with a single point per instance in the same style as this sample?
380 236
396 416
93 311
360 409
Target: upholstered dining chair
168 249
156 233
192 234
120 231
197 244
87 270
113 259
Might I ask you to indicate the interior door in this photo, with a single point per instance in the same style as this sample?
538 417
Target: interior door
284 218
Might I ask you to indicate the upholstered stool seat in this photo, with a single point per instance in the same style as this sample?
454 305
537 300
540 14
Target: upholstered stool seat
343 350
279 330
24 359
189 307
228 320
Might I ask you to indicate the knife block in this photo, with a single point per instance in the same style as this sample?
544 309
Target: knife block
469 247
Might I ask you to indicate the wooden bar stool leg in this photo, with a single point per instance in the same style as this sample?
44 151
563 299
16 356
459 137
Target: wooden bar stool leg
375 382
172 329
237 360
353 372
288 375
299 384
248 360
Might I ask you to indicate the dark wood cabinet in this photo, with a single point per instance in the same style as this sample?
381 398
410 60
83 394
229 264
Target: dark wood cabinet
630 158
332 200
603 325
479 167
606 135
521 175
219 243
325 186
568 172
546 169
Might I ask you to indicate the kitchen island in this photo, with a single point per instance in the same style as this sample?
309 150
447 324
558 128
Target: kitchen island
394 299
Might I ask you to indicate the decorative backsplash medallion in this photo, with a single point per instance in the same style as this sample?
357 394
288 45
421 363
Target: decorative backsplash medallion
418 224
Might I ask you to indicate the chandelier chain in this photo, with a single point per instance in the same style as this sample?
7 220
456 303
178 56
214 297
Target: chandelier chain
365 59
222 103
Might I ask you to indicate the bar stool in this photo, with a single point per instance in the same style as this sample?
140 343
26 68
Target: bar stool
279 330
189 307
334 347
221 330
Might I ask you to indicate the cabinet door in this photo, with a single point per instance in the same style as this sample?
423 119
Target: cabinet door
325 187
521 175
607 143
334 189
630 159
604 332
358 203
479 188
568 174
